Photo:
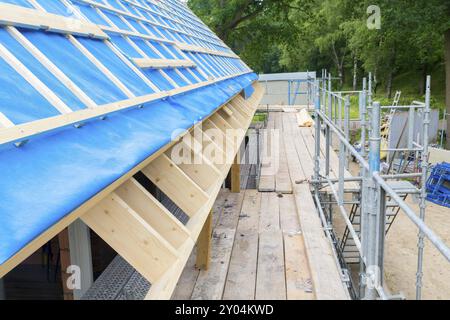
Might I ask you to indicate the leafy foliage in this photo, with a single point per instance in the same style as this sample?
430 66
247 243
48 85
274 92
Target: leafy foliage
292 35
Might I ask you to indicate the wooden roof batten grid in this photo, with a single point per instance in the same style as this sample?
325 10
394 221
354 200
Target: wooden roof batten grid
161 241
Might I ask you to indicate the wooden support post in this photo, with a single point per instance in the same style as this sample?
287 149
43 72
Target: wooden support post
64 256
236 175
81 255
204 245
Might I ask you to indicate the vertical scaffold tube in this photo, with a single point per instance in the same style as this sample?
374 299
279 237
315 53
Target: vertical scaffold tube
317 138
423 191
372 205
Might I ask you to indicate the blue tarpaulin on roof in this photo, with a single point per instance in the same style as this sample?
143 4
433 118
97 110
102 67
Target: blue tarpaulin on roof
52 175
55 172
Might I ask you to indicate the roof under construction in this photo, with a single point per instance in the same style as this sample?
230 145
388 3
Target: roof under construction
93 92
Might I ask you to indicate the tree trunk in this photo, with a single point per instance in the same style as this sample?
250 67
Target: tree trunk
355 73
447 82
389 84
341 77
423 79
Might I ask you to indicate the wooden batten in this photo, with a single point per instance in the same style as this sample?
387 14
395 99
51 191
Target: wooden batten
12 15
176 184
153 212
162 63
131 236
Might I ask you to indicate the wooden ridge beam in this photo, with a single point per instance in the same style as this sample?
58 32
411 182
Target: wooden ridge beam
13 15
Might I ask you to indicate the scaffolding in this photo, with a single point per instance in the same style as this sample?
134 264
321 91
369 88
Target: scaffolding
368 203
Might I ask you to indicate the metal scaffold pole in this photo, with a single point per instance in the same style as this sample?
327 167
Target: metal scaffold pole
423 192
363 217
317 139
372 206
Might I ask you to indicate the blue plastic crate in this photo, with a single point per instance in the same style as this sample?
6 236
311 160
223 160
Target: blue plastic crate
438 185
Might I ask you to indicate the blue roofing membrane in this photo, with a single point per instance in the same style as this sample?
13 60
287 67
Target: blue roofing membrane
55 172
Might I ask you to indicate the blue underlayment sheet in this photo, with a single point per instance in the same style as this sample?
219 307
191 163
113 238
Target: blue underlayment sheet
55 173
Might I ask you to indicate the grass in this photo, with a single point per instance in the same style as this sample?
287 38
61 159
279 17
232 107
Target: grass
259 117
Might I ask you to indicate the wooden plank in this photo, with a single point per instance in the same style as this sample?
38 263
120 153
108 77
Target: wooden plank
304 157
268 158
231 210
204 245
176 185
283 182
131 236
153 212
186 283
12 15
295 169
269 219
241 279
324 270
266 183
439 155
147 63
270 279
210 284
299 284
192 48
288 214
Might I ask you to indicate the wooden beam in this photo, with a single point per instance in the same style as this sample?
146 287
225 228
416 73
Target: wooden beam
200 169
236 175
193 48
12 15
204 245
64 257
168 177
131 236
162 63
153 212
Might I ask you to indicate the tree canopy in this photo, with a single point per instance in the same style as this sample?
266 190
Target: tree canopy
294 35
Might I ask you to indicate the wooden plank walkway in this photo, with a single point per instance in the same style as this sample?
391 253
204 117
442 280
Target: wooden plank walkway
269 243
